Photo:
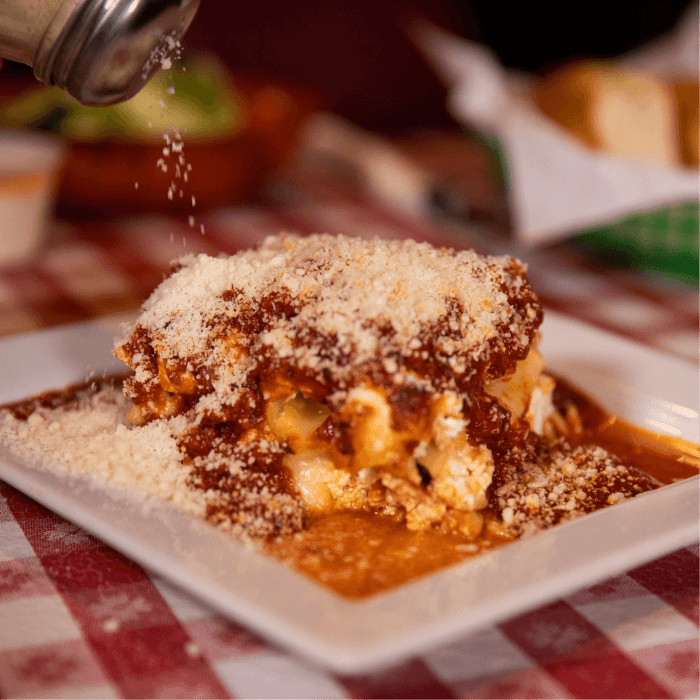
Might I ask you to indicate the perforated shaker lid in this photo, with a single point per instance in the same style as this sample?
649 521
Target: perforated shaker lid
106 51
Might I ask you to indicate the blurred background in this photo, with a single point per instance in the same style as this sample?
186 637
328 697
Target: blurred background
339 117
358 55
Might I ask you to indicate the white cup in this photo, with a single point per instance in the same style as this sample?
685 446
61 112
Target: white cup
29 166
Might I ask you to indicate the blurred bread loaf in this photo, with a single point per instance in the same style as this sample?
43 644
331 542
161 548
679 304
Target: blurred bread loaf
623 111
687 97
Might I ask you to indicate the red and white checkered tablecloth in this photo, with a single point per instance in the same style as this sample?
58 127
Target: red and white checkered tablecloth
77 619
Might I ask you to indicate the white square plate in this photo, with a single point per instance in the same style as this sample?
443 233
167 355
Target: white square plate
645 387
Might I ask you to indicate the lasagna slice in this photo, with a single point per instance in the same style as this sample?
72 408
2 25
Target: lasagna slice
324 373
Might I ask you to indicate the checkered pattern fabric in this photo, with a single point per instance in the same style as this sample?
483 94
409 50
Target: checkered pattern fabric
80 620
77 619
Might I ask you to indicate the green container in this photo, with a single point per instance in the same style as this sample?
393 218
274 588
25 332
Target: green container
663 240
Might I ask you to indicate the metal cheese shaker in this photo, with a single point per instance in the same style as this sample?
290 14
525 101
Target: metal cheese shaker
99 51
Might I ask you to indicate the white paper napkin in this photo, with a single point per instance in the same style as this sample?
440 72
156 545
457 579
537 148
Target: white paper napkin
557 186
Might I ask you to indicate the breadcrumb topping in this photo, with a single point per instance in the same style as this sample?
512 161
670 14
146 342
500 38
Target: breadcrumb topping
91 438
569 483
